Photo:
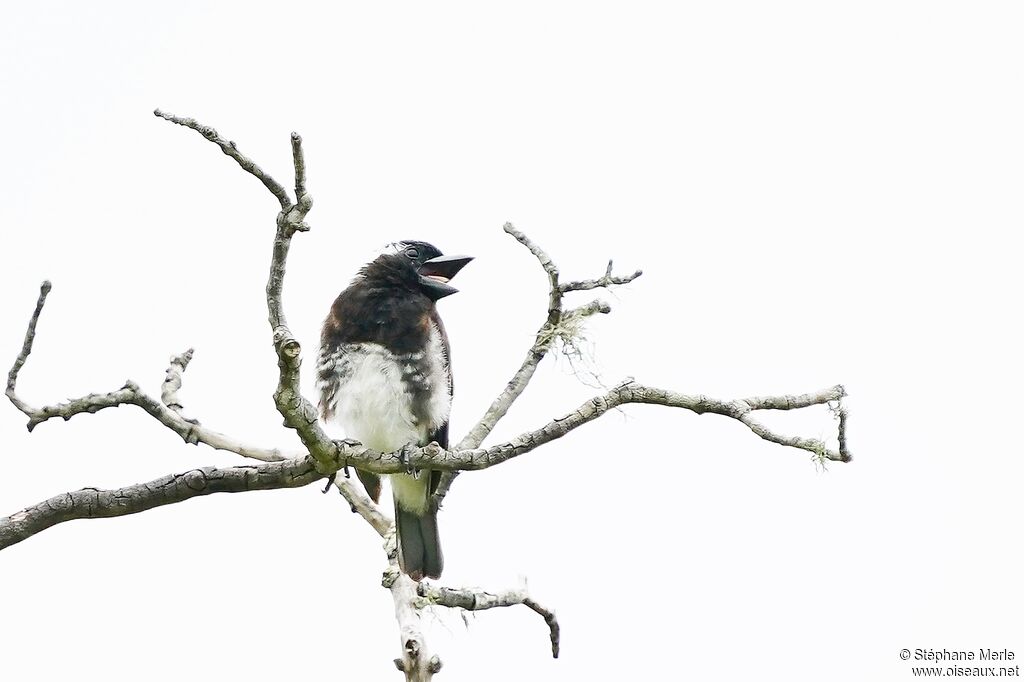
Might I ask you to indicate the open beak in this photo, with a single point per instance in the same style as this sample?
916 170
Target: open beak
436 272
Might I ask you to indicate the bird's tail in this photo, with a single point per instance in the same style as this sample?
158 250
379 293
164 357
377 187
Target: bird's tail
419 548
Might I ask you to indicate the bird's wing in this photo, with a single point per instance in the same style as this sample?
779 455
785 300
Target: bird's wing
327 380
440 435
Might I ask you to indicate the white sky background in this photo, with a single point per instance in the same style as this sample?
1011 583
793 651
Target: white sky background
817 195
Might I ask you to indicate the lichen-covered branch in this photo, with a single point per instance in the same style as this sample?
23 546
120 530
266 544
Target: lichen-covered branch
604 282
552 328
93 503
477 600
554 291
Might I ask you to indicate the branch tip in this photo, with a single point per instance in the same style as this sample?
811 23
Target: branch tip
231 149
478 600
26 350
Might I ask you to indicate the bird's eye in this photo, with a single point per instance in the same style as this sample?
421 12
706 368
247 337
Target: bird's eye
412 253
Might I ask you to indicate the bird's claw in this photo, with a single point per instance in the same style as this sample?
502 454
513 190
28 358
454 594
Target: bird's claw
350 443
403 457
330 482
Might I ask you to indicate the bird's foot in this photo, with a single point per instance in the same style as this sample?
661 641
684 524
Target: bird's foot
350 443
330 482
403 457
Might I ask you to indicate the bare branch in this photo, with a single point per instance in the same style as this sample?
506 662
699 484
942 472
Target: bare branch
794 402
361 504
843 414
229 148
434 457
555 293
545 337
476 600
416 662
26 349
169 414
130 394
299 160
299 414
93 503
592 308
341 454
550 620
605 282
172 382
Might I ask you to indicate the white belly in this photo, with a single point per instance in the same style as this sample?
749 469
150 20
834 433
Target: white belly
373 405
386 401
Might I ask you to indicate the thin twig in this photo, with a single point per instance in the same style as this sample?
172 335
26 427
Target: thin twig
592 308
478 600
360 503
26 348
605 282
299 160
843 416
172 381
229 148
555 292
552 623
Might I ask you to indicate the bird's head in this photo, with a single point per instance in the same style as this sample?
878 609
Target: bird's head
420 266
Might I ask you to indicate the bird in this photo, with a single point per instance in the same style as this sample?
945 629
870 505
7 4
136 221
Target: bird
384 376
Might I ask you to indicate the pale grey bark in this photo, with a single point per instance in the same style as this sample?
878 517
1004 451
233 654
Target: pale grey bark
478 600
172 381
417 661
229 148
324 457
543 341
93 503
605 281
